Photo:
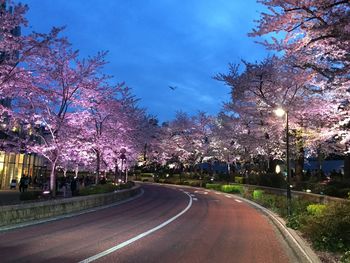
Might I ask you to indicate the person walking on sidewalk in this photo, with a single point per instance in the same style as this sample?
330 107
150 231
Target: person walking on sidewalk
21 184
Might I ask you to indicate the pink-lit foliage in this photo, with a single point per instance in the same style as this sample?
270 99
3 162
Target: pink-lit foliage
185 140
256 93
16 52
315 36
60 80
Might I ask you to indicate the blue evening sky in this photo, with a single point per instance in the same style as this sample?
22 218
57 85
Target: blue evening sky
160 43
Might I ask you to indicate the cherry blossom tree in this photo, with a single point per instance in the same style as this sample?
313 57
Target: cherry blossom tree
316 33
60 78
16 77
259 90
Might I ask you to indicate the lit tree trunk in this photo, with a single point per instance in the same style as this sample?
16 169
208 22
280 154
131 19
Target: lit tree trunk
98 157
53 177
76 171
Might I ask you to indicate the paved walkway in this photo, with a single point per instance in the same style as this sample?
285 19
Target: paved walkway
9 197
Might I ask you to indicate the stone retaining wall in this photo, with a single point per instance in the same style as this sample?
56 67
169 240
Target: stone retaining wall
14 214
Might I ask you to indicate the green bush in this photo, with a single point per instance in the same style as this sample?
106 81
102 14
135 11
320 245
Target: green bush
239 180
147 175
235 189
213 186
29 195
258 194
104 188
331 229
346 257
316 209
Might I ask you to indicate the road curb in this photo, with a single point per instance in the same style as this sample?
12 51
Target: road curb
301 249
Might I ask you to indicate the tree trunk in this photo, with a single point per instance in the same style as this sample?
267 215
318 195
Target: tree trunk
53 178
299 165
97 167
299 161
76 171
347 167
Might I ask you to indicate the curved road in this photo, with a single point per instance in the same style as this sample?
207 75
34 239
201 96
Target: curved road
165 224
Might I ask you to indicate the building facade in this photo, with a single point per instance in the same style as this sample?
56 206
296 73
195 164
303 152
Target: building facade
16 165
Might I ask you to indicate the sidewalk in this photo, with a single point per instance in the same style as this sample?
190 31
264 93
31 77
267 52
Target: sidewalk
12 197
9 197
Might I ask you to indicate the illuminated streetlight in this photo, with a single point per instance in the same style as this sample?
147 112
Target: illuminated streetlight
280 113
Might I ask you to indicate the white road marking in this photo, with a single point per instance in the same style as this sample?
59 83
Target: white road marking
192 195
196 191
142 235
229 196
239 201
195 199
217 193
205 193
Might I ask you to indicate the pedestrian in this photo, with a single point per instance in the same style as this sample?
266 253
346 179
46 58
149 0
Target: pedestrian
21 184
26 183
73 186
64 186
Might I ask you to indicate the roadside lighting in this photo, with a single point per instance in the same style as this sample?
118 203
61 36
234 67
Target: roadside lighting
278 169
280 112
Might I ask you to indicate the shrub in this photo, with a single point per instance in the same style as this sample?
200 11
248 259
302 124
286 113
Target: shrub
346 257
316 209
235 189
331 229
104 188
213 186
147 175
239 180
258 194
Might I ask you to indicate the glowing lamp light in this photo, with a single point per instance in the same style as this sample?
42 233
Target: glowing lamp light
279 112
278 169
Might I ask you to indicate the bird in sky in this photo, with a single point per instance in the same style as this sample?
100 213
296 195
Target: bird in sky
172 87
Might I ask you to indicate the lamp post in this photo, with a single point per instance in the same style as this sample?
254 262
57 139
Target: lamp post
280 113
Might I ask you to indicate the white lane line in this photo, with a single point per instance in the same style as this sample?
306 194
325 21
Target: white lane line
205 193
142 235
192 195
239 201
229 196
195 199
196 191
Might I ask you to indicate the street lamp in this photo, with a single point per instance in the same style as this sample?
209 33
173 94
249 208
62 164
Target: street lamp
280 112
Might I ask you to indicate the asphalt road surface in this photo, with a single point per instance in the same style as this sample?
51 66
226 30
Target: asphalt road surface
165 224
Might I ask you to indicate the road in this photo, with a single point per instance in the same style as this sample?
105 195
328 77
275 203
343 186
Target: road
165 224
